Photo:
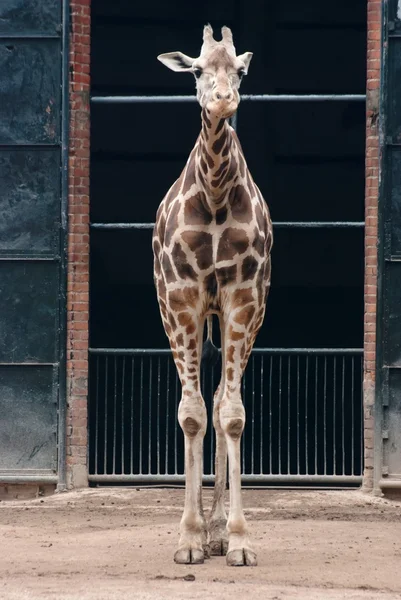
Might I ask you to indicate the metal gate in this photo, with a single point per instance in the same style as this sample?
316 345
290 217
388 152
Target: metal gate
33 191
135 436
303 405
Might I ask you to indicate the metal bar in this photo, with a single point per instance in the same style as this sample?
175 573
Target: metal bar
244 98
352 417
167 415
388 484
158 432
211 427
28 364
334 415
253 418
22 147
132 413
243 394
32 36
316 379
30 479
276 225
150 419
261 415
37 258
288 413
343 413
279 414
97 415
175 422
298 421
105 413
115 416
324 417
270 415
122 415
306 414
140 418
180 478
157 351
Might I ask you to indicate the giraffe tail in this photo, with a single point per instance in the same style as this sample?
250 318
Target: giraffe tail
210 354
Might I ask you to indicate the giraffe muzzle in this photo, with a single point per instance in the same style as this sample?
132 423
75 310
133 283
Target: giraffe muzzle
222 107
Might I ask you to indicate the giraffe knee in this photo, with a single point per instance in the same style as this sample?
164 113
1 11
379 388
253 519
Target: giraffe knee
232 420
192 418
234 428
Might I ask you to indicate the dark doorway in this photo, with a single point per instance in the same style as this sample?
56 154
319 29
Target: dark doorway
306 156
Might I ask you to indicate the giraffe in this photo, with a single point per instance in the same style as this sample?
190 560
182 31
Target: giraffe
211 245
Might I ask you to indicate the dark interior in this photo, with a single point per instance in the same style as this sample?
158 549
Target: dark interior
307 158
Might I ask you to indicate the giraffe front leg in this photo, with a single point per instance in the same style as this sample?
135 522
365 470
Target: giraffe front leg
218 536
192 546
238 341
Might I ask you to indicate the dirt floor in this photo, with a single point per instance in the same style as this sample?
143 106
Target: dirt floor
110 543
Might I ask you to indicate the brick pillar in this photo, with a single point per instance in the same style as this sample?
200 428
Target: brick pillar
371 214
78 245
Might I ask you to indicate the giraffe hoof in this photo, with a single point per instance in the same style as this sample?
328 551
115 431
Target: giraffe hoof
189 556
243 557
218 547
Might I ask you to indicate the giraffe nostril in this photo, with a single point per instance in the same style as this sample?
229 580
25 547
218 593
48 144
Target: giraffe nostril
218 95
228 96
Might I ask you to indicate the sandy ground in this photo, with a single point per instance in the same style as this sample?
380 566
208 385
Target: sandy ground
109 543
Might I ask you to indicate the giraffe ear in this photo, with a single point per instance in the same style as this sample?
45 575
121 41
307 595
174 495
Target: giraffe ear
246 59
177 61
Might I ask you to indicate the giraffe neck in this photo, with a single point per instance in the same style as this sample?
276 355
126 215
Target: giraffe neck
216 164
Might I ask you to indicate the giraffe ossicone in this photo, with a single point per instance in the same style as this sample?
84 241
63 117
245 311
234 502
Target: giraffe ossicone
211 245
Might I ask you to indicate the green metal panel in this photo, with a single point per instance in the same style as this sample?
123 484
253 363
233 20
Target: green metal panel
388 404
33 152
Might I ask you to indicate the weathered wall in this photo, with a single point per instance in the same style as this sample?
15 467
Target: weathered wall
371 216
78 244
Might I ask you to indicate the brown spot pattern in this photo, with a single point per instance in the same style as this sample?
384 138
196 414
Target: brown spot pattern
235 336
221 215
171 222
241 206
226 275
168 269
219 126
242 297
249 268
181 299
210 284
184 269
219 143
232 241
221 168
245 315
196 210
200 243
258 242
230 354
189 178
260 220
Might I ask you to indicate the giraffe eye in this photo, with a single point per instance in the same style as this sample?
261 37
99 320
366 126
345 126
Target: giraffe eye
197 73
241 73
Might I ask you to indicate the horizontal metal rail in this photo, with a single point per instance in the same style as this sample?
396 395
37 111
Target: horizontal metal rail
14 479
247 479
244 98
161 351
277 225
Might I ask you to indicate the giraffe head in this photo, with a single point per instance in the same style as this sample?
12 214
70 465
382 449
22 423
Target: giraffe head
218 72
